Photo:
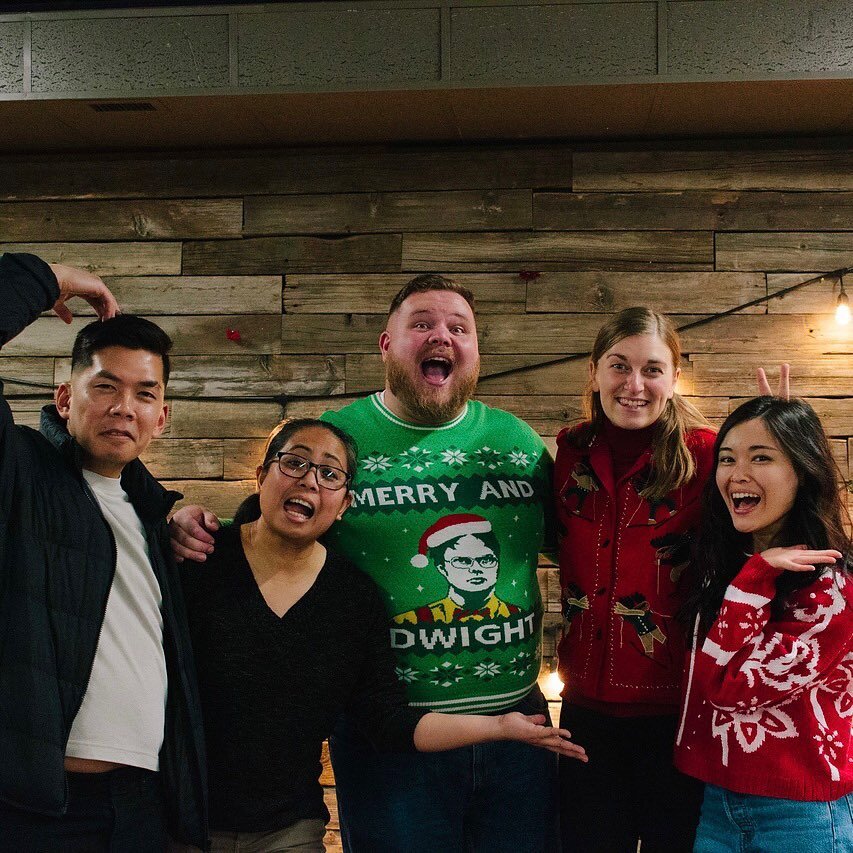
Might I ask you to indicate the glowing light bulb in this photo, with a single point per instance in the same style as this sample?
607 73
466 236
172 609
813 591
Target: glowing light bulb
842 309
553 686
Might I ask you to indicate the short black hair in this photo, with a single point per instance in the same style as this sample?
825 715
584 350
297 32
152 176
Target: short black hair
426 283
123 330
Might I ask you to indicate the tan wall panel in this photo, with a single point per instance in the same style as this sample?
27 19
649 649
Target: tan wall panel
108 258
222 497
39 370
173 458
816 298
192 419
242 456
784 251
365 212
835 415
494 293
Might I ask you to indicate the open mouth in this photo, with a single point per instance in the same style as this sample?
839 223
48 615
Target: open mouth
744 502
298 510
436 369
629 403
117 433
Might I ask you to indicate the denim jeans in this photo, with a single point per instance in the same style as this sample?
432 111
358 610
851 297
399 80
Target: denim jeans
114 812
747 823
490 798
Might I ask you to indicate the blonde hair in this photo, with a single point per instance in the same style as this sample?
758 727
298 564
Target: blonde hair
673 464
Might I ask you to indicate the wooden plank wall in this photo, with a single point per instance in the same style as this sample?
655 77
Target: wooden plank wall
300 251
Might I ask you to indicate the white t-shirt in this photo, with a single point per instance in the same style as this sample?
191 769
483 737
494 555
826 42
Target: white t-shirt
124 709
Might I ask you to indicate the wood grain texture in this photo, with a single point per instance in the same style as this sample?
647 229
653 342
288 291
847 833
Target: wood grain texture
494 293
140 219
836 415
187 459
220 496
191 419
347 213
793 168
781 252
38 370
133 258
689 210
554 250
667 292
279 255
816 298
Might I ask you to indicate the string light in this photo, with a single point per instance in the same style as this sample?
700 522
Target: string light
552 685
842 305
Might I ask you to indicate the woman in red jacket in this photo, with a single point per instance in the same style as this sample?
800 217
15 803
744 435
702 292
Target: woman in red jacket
769 690
628 484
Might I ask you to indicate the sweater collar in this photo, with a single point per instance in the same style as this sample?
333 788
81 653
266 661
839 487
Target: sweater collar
149 498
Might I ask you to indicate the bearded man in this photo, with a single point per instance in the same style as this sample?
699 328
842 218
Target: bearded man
429 456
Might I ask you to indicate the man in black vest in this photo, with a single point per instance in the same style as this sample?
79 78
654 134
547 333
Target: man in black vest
100 729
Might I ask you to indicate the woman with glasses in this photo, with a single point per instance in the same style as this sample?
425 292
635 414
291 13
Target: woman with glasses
287 635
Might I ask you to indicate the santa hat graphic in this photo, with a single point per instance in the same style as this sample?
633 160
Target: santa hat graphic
445 529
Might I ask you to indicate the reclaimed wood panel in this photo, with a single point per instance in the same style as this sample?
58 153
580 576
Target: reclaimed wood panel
792 168
39 370
27 410
186 294
550 250
494 293
667 292
835 415
730 373
217 419
185 459
140 219
197 335
322 170
346 213
699 211
816 298
840 453
219 496
242 456
133 258
794 250
278 255
331 333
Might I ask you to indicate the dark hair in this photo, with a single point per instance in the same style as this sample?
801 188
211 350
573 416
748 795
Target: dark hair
250 509
123 330
424 284
489 539
673 464
817 518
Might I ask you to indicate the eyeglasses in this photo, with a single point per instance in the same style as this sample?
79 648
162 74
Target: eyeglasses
487 561
296 466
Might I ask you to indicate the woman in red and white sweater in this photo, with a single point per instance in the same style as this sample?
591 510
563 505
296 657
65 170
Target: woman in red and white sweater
768 704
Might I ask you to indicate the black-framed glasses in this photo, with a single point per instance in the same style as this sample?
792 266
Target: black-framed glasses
328 476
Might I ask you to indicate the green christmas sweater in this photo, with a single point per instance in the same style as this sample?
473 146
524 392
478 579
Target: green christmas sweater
449 522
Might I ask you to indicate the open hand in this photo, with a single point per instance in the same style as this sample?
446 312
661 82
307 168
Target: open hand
784 388
190 530
86 285
531 729
798 558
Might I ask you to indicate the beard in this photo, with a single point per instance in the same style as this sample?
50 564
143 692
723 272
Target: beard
431 408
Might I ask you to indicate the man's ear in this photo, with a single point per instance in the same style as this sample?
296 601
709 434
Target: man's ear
62 400
384 343
162 420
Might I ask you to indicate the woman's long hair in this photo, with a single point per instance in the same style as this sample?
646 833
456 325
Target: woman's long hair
673 464
817 519
250 509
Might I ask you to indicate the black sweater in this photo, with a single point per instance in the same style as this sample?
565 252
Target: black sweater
273 688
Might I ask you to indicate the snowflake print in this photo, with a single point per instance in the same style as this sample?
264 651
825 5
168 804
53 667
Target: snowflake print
520 664
377 462
488 458
519 458
446 674
453 456
488 669
407 674
828 744
416 459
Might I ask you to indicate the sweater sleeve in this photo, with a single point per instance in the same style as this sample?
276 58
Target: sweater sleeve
753 660
379 704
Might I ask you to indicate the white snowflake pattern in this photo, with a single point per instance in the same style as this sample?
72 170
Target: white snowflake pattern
416 458
407 674
446 674
520 664
829 744
488 458
454 456
519 458
377 462
488 669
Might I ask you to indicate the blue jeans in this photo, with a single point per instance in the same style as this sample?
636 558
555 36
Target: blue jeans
746 823
490 798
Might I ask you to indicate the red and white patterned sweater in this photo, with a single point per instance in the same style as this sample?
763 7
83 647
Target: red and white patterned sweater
768 704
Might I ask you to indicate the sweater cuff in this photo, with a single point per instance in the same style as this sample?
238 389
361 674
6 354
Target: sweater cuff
755 583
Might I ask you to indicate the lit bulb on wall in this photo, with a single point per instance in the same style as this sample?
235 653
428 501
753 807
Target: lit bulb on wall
842 309
552 686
